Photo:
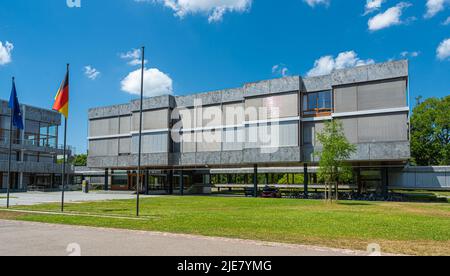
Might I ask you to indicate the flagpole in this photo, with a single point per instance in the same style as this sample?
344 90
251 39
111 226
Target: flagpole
138 185
64 159
9 156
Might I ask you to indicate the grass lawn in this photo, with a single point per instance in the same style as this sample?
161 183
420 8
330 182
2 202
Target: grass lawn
407 228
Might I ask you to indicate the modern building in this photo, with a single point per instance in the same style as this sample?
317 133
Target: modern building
210 137
34 150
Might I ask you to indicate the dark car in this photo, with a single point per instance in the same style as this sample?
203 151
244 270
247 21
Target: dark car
271 192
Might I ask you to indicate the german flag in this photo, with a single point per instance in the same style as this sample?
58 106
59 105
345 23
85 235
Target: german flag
62 98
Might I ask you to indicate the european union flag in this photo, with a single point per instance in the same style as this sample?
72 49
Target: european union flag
17 119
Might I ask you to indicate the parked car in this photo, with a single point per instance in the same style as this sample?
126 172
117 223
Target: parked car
271 192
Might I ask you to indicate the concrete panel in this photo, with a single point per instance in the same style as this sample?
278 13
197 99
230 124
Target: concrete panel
155 119
383 128
362 153
188 142
124 145
104 127
187 159
233 114
158 102
211 116
388 70
231 157
257 89
233 95
104 147
155 159
273 107
255 156
289 134
345 99
125 124
207 158
286 84
350 129
211 98
352 75
315 84
109 111
209 141
103 162
286 154
390 151
185 101
41 115
382 95
233 139
151 143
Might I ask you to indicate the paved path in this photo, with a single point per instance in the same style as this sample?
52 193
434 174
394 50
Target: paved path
31 239
33 198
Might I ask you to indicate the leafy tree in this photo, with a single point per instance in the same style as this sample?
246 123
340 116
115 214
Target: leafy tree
336 150
287 179
80 160
430 132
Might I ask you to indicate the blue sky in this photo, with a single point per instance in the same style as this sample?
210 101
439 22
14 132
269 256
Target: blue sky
194 46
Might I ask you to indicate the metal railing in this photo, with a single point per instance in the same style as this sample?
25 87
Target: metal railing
42 143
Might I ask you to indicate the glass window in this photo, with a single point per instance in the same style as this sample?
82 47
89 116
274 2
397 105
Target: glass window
318 103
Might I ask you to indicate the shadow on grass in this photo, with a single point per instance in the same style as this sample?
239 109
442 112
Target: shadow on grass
356 203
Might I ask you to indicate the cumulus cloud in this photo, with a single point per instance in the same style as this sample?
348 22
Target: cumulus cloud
133 57
373 5
214 9
91 73
6 52
435 6
314 3
327 64
156 83
443 51
280 70
390 17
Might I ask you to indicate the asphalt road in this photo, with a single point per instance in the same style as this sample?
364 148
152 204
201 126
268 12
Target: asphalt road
37 239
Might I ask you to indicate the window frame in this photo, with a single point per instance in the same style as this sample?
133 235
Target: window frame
317 111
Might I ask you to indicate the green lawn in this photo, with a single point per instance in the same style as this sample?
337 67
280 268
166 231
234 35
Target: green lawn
408 228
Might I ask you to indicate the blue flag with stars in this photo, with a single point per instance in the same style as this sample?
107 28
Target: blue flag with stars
17 119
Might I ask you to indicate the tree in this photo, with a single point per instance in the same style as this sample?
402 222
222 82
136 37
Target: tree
430 132
336 151
80 160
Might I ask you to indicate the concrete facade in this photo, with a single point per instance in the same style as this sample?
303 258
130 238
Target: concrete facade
371 101
34 149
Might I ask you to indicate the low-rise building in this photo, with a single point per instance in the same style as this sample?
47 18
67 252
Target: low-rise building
271 123
35 150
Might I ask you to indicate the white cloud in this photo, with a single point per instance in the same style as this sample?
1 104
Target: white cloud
443 51
156 83
134 57
446 22
389 18
327 64
407 54
373 5
280 70
91 73
214 9
314 3
5 52
434 7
